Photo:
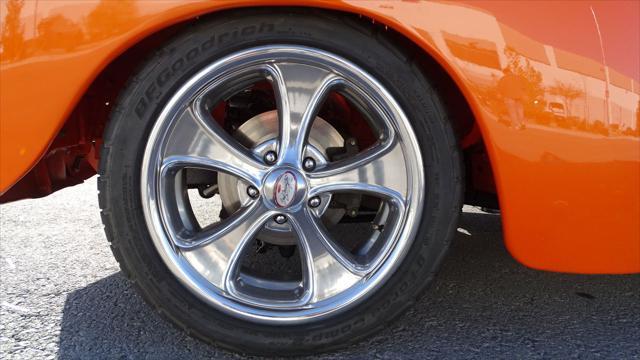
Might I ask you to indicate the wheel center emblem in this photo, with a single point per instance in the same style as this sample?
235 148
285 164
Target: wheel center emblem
285 189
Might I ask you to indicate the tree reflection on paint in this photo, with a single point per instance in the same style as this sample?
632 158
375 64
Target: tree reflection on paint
12 39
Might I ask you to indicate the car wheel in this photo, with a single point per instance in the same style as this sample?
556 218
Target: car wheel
280 183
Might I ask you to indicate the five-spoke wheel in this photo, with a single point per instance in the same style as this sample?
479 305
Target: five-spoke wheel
284 183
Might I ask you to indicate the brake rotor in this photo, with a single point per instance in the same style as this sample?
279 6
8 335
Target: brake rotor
260 134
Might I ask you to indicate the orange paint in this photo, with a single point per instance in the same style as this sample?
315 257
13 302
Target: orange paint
561 129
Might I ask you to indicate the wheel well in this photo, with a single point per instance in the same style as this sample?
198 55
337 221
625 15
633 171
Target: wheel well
480 188
74 153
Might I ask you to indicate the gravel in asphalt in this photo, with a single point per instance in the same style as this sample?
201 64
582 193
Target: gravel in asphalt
62 295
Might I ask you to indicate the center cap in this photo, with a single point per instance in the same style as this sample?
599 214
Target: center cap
285 187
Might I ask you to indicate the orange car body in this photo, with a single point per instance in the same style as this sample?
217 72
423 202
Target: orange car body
568 183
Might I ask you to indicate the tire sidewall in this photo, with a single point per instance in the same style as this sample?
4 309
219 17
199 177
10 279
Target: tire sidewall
198 46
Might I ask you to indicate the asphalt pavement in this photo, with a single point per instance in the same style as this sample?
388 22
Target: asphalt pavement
62 296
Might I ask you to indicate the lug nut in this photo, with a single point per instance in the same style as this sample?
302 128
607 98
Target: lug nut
270 157
253 192
280 219
314 202
309 164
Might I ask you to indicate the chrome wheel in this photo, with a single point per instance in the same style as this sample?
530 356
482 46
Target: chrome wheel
277 178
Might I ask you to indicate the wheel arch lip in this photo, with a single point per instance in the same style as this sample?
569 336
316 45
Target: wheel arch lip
105 53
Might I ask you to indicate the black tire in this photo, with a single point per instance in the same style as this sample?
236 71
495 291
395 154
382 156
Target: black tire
119 182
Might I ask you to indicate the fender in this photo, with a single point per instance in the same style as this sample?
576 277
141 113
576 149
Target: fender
565 150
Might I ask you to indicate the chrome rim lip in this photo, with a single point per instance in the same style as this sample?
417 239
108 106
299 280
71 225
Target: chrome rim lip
260 312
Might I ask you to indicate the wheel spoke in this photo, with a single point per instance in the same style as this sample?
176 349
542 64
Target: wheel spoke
327 270
381 172
300 91
216 251
192 142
